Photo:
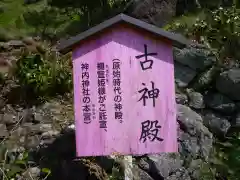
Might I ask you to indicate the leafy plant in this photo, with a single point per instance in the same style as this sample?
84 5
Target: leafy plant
116 174
219 29
44 75
88 13
228 156
46 22
12 164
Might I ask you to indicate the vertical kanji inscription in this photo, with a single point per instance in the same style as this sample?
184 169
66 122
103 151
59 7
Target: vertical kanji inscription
147 63
86 100
116 66
102 115
150 131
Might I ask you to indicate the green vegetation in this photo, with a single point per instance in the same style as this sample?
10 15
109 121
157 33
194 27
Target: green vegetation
53 19
214 23
219 29
12 16
44 75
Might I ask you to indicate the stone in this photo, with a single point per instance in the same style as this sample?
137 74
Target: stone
187 114
19 149
32 173
220 103
11 92
196 58
183 74
37 128
139 174
195 146
27 115
15 43
50 134
143 164
3 131
152 11
47 141
38 117
196 100
2 103
236 121
228 83
9 119
194 138
216 124
3 46
20 131
189 145
162 165
32 142
180 174
205 78
194 168
28 40
181 98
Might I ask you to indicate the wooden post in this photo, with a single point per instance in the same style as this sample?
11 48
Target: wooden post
128 164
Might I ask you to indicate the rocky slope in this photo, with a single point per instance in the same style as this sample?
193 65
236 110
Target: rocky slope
208 106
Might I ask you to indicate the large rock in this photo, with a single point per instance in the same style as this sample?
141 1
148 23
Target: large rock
183 74
54 111
139 174
189 145
220 103
195 168
228 83
216 124
42 118
180 174
32 142
195 139
37 128
162 165
236 121
15 43
195 58
32 173
9 119
153 11
181 98
196 100
3 131
205 79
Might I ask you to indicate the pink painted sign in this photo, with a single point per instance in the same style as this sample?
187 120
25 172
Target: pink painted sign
124 95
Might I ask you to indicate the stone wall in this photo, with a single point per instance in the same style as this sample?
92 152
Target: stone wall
208 102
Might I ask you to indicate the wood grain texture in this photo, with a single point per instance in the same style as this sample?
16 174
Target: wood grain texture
124 44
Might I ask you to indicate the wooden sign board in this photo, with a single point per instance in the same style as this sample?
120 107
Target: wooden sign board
124 94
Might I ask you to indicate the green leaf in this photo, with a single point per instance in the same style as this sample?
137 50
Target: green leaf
46 170
20 162
14 169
